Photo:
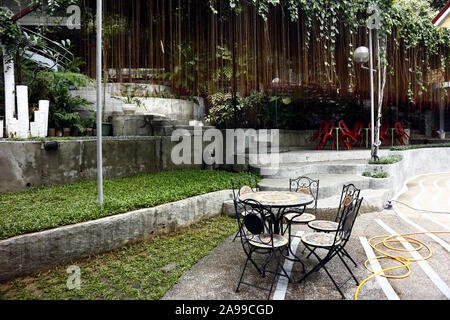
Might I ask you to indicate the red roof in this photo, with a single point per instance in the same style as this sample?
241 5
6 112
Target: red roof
441 13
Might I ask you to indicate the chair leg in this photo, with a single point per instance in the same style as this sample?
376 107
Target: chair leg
348 256
348 269
334 282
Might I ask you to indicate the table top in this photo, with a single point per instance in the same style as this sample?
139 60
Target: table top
279 198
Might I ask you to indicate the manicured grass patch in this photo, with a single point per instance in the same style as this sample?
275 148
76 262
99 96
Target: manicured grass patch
44 208
388 160
145 270
421 146
379 175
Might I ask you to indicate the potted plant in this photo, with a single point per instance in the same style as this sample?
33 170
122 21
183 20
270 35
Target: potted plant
129 107
106 127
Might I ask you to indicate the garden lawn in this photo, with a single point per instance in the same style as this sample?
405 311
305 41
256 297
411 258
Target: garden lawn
144 270
44 208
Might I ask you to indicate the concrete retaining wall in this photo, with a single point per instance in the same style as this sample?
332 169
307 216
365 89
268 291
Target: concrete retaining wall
26 164
415 162
28 253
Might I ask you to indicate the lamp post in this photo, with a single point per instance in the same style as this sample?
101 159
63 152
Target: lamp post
99 105
363 55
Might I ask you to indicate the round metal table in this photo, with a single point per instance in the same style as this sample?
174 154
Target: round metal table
281 200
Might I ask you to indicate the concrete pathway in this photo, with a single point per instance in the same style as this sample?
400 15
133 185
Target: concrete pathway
216 276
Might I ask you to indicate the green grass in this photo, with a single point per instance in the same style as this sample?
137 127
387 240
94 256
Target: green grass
145 270
388 160
379 175
420 146
44 208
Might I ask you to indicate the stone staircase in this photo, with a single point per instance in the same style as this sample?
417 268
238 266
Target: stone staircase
333 169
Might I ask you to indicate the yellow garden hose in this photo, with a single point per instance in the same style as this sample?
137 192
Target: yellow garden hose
404 262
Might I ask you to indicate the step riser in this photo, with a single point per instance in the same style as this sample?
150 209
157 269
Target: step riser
286 172
325 191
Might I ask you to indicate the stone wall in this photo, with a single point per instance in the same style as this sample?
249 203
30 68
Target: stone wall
25 164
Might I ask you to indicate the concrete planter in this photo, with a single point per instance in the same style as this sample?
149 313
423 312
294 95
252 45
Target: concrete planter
129 108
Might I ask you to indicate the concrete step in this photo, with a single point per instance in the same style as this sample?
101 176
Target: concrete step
329 184
295 169
374 201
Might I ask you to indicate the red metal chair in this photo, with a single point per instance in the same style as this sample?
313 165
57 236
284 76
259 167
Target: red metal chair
346 137
357 132
384 133
327 133
400 134
317 134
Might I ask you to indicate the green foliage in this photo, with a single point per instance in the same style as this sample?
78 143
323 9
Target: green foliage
43 208
379 175
388 160
143 270
55 87
421 146
223 111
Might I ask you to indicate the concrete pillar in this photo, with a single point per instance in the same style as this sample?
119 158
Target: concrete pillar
10 104
23 112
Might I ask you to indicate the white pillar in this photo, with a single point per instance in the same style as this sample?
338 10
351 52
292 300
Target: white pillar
22 112
10 100
42 118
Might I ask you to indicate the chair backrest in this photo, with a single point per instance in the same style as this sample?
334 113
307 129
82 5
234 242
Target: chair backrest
308 186
399 128
253 220
343 127
243 185
348 195
329 127
347 222
357 128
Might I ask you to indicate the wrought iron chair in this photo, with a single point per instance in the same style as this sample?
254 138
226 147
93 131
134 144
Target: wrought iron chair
243 185
349 193
257 237
334 243
302 215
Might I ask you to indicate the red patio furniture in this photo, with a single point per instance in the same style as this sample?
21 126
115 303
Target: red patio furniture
357 132
327 133
346 137
317 134
384 133
400 134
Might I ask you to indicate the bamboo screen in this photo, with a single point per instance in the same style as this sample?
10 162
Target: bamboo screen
191 49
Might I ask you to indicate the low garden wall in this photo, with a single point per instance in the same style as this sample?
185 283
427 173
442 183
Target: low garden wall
24 254
26 164
415 162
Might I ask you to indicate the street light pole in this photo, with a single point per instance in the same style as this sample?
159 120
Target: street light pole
372 96
99 105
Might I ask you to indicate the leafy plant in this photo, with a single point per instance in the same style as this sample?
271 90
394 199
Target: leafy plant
388 160
55 87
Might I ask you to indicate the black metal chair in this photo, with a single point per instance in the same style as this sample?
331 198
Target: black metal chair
242 185
302 215
334 243
257 237
349 193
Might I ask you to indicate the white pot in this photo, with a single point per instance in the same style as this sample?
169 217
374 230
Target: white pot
129 108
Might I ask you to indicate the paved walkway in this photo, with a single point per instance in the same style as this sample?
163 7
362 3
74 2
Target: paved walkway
215 277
